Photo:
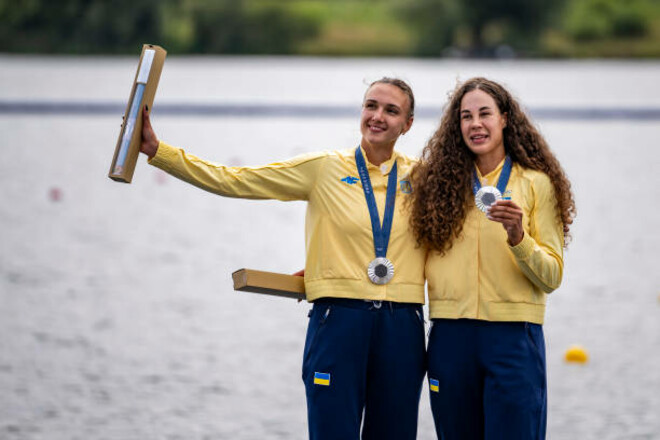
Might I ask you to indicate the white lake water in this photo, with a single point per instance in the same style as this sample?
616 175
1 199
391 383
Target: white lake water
117 314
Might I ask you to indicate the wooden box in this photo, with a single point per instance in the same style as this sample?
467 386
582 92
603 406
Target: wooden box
270 283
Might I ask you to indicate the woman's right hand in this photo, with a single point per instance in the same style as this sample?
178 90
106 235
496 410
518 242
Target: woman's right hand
149 145
511 216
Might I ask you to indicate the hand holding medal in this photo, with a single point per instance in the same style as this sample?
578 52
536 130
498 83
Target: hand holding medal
510 215
486 196
498 209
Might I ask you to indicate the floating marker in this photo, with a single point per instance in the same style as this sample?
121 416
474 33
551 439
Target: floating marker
161 177
55 194
577 354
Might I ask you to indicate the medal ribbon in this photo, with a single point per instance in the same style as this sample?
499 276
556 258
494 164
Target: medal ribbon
381 234
501 182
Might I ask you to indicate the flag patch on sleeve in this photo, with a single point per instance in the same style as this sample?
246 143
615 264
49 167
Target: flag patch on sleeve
434 385
322 379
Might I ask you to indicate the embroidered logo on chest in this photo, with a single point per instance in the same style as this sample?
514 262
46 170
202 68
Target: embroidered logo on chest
350 180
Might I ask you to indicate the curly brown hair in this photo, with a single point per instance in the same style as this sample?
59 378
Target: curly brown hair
442 180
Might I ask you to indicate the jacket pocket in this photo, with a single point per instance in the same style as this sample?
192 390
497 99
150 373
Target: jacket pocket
318 316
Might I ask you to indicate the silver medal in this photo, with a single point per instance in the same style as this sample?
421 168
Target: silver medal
486 196
380 271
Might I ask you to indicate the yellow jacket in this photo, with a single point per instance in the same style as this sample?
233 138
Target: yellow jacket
338 236
482 277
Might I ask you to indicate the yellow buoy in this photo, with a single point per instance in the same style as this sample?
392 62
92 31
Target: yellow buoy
576 353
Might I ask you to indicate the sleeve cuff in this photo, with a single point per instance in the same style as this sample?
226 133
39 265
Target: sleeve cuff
525 248
163 155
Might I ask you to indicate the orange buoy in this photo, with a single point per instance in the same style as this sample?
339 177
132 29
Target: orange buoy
576 354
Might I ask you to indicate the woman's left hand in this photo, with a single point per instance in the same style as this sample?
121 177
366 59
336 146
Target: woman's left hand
510 215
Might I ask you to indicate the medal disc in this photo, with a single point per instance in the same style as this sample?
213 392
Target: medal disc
486 196
380 271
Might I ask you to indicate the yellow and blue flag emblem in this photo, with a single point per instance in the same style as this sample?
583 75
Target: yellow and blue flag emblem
434 385
322 379
406 186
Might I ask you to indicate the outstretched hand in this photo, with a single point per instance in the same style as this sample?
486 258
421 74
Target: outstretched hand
149 144
510 215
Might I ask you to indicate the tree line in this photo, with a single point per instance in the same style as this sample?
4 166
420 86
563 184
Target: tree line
431 27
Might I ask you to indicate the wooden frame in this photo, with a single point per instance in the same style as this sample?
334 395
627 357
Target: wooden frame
143 92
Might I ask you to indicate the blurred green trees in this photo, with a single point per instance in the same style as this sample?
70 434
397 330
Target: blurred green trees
77 26
478 27
482 28
236 27
117 26
606 28
595 19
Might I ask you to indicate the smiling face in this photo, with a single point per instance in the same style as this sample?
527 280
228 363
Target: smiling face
385 116
482 125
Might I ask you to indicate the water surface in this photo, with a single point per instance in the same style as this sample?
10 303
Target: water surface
118 320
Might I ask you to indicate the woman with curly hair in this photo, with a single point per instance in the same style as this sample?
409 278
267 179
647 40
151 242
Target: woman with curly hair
493 206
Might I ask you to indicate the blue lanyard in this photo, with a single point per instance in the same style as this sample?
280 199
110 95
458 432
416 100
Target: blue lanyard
381 235
501 182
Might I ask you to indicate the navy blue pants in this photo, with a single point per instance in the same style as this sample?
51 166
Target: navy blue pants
487 380
363 358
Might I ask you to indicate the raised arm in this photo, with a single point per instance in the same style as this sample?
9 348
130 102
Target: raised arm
288 180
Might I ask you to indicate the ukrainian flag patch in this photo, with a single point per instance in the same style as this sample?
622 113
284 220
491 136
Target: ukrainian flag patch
434 385
322 379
